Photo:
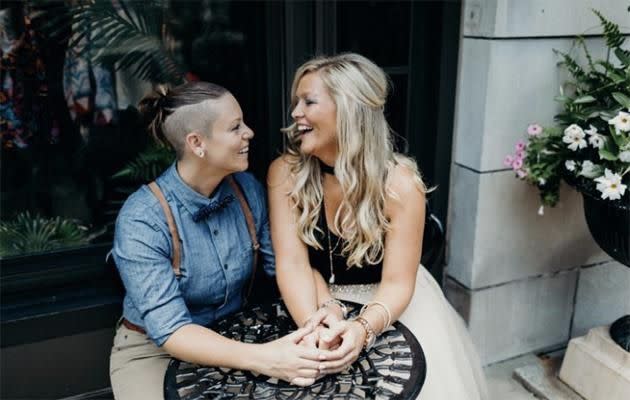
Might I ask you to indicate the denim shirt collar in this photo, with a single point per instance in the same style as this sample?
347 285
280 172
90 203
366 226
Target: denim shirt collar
194 202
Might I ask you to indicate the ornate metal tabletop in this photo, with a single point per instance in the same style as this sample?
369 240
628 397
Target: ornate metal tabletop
393 369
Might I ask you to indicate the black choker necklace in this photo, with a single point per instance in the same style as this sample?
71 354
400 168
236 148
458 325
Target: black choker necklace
327 169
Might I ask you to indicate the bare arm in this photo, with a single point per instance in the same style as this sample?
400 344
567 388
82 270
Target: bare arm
282 358
403 244
403 247
293 270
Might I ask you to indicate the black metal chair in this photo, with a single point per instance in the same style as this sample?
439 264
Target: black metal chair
433 244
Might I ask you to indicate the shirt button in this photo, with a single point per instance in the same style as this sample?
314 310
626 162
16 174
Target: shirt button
225 266
215 232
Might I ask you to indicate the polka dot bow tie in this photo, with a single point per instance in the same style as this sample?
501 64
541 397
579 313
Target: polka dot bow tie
209 209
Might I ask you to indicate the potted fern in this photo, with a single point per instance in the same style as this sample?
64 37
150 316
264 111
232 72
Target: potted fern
589 148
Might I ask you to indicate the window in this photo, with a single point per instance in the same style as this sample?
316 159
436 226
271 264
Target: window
72 141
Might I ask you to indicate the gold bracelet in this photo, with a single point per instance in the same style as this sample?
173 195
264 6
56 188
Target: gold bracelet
370 336
384 307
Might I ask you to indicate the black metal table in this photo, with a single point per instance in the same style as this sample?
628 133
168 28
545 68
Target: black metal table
394 368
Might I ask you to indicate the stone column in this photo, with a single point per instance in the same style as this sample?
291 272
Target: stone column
524 282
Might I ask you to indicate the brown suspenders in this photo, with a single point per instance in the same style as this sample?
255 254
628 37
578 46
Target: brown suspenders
176 251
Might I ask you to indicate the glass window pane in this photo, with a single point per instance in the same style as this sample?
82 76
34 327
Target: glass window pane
377 29
396 110
65 127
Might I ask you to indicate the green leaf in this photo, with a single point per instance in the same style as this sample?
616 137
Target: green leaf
614 142
584 100
612 34
617 140
562 99
616 77
623 56
594 172
148 164
28 233
622 99
607 155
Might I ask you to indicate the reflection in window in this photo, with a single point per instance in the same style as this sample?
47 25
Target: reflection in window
73 144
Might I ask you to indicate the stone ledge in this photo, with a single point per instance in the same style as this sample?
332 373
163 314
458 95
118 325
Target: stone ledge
541 378
596 367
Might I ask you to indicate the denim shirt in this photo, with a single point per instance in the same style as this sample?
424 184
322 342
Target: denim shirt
216 255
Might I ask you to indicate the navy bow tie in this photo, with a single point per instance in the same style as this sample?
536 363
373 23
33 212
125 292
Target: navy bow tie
214 206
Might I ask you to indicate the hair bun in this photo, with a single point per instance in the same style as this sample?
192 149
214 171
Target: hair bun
154 111
161 98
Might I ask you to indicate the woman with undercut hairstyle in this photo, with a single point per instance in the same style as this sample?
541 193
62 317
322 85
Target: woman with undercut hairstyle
184 247
347 219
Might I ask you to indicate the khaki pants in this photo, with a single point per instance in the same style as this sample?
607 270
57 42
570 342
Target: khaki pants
136 366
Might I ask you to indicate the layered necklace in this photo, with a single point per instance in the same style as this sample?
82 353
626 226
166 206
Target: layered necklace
329 170
331 249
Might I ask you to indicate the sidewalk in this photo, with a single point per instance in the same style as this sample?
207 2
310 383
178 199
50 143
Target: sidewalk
501 383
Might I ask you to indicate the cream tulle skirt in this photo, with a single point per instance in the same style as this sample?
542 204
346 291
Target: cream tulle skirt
453 368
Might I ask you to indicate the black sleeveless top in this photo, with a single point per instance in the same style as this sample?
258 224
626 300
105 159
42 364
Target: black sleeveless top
344 275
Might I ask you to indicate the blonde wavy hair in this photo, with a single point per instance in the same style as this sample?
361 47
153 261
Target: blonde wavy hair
365 160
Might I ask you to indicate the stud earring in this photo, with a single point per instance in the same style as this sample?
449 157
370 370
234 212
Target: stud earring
200 153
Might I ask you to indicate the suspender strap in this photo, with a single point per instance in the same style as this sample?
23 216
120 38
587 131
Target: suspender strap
249 219
251 227
176 251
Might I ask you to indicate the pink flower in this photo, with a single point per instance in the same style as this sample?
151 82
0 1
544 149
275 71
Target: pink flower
508 160
517 164
520 145
521 173
534 130
520 154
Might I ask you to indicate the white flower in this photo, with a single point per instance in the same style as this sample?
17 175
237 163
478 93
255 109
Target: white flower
590 170
541 210
621 122
574 137
625 156
610 185
542 181
591 130
570 165
596 140
574 130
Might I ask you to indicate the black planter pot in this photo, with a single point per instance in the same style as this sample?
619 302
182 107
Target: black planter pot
609 223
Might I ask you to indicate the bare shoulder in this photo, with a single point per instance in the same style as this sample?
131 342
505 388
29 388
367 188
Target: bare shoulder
279 173
405 185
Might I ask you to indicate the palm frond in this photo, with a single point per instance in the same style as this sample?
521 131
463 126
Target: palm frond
127 36
148 164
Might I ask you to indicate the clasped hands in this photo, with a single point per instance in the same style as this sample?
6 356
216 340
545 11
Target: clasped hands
339 341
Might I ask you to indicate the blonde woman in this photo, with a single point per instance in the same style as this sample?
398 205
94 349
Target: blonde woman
347 217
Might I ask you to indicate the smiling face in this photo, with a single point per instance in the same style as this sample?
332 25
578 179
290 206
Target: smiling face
315 114
227 146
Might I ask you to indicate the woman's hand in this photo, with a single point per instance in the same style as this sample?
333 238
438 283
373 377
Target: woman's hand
327 316
285 359
321 321
352 336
